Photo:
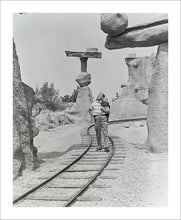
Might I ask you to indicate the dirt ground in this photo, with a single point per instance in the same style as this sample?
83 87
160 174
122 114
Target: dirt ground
141 181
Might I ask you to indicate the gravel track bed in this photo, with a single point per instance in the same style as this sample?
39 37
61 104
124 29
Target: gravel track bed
141 180
40 203
53 193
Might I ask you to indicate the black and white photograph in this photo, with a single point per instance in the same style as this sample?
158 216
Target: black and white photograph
90 109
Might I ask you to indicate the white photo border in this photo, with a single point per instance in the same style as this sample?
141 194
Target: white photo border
7 10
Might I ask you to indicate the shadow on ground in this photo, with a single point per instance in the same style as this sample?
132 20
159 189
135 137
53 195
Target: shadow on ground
54 154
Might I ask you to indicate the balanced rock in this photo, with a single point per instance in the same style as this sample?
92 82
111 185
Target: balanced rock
83 79
114 24
147 34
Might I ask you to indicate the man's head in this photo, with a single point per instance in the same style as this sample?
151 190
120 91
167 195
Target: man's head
100 96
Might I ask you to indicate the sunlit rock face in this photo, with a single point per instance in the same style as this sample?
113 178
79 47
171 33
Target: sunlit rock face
83 102
140 70
23 97
158 103
127 107
135 91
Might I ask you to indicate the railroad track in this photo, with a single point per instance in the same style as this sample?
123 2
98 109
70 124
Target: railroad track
81 165
63 188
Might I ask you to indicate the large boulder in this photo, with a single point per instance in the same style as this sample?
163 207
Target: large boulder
83 79
114 24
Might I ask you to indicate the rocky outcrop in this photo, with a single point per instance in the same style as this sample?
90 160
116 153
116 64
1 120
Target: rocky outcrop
135 92
33 131
23 157
158 103
140 70
127 107
48 120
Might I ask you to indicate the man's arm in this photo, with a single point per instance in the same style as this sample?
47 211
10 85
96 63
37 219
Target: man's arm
90 110
105 109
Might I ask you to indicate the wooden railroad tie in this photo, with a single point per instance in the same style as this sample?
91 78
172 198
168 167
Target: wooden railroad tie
81 199
77 186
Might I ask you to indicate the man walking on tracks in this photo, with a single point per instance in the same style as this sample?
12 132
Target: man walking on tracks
100 110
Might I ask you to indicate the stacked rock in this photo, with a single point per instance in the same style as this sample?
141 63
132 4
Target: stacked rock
114 24
84 97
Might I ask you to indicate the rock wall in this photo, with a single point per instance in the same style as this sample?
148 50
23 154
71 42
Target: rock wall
139 74
23 157
135 91
157 120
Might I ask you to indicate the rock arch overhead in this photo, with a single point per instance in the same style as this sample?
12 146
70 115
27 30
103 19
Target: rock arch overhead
149 34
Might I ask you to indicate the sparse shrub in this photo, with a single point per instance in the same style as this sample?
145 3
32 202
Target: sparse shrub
47 95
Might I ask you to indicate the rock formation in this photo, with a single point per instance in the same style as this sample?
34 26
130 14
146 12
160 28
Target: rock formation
84 97
83 79
114 24
140 70
83 102
157 121
23 157
127 107
48 120
145 35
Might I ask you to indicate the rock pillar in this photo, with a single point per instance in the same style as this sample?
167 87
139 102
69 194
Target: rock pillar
83 102
157 119
84 97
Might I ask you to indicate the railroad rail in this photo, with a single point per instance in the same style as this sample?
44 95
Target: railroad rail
91 156
87 159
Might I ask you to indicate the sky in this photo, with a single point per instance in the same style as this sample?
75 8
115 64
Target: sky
41 41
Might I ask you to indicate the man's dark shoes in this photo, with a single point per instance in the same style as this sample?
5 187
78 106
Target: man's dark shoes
106 150
98 148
